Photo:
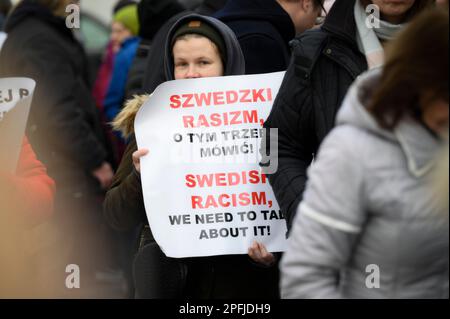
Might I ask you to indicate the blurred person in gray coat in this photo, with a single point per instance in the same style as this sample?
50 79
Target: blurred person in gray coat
371 225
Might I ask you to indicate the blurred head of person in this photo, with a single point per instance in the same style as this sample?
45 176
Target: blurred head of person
198 51
303 13
58 7
398 11
125 25
153 14
415 80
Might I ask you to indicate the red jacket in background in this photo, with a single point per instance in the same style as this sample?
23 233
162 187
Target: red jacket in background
31 189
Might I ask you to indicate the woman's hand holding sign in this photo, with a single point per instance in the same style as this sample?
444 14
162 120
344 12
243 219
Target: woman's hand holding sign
137 158
259 254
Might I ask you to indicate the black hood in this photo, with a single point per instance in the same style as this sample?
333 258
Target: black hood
235 58
210 7
154 13
340 21
265 10
30 9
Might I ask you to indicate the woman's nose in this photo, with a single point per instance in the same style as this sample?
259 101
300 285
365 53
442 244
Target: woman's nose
192 72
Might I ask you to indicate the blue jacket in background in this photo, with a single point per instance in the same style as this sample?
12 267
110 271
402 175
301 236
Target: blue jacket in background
263 29
116 92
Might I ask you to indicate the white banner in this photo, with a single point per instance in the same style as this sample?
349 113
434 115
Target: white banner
15 101
204 192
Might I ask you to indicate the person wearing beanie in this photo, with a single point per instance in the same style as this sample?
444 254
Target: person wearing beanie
119 33
128 18
127 24
201 29
191 39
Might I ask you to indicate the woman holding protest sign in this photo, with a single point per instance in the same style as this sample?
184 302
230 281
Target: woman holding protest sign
196 47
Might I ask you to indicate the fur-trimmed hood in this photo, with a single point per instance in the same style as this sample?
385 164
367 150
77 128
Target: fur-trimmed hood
124 122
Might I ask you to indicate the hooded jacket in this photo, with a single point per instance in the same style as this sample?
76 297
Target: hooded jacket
212 277
264 30
64 126
325 63
235 64
387 217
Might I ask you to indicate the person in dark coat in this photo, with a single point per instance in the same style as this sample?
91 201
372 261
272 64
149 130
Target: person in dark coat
209 277
265 27
126 19
64 127
325 63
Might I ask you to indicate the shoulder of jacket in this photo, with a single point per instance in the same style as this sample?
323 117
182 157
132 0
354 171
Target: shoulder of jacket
257 28
306 49
352 142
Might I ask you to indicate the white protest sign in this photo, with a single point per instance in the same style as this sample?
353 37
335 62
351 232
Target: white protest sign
15 101
204 191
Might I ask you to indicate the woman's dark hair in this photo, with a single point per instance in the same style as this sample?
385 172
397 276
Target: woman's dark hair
416 65
418 6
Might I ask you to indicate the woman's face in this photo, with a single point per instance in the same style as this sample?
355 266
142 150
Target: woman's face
394 11
196 57
435 115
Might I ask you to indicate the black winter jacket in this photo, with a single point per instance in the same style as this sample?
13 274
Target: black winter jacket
263 29
325 63
63 126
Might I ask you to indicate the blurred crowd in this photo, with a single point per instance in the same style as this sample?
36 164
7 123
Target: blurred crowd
361 123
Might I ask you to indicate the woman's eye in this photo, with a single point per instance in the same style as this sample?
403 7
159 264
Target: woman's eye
180 64
204 62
